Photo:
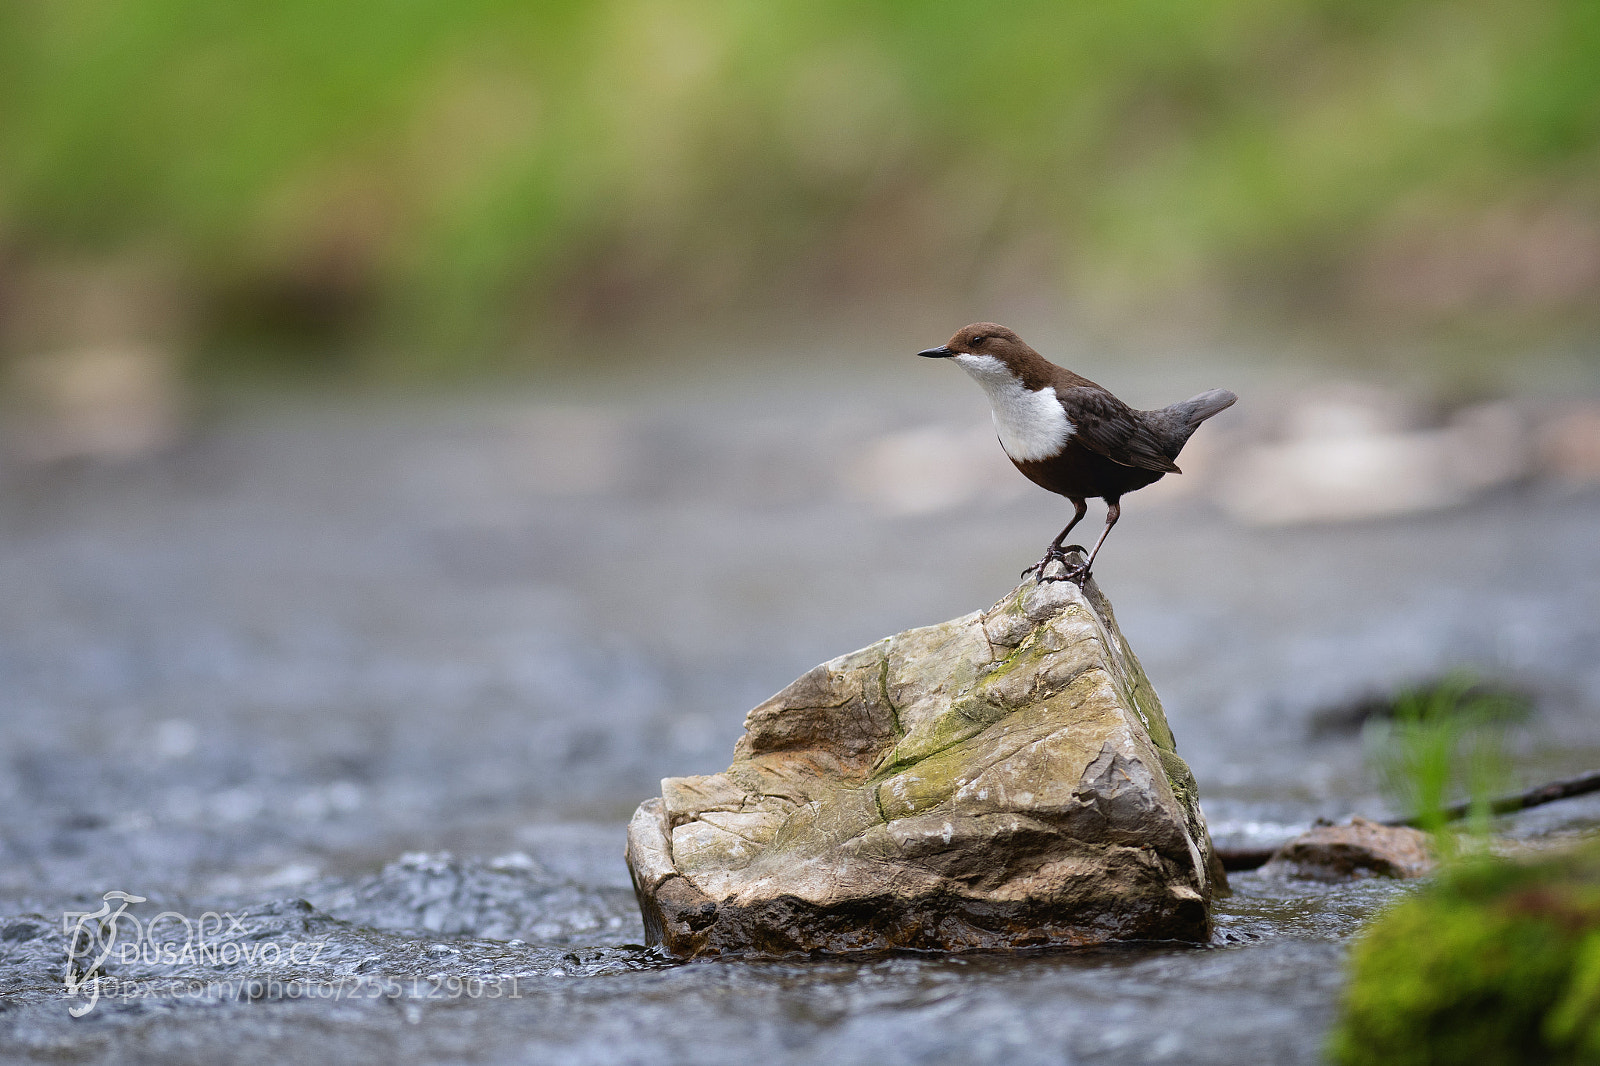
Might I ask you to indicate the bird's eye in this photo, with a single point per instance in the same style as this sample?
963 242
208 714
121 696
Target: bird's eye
978 340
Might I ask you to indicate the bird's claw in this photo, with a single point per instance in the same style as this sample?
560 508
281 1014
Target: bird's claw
1078 575
1058 555
1039 567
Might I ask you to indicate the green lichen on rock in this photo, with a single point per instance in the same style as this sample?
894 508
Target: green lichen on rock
1005 778
1495 964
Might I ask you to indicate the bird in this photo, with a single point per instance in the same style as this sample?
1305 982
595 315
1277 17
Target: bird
1071 436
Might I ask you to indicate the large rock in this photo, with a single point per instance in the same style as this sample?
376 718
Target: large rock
1005 779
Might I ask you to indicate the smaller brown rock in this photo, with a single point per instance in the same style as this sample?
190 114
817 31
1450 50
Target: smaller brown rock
1359 849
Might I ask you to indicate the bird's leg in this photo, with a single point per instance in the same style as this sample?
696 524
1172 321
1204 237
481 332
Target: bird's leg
1056 551
1080 574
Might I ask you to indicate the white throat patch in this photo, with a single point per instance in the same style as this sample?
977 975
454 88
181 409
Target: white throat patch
1031 425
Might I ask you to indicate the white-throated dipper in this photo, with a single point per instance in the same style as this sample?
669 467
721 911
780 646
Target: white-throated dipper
1069 435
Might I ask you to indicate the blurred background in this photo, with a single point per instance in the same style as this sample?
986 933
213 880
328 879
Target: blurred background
424 425
439 188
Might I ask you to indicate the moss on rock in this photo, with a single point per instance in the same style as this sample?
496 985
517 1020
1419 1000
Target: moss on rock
1497 963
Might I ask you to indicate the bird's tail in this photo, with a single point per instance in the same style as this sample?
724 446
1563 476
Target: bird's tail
1199 408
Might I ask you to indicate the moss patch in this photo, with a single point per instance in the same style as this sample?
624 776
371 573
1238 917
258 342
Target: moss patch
1497 963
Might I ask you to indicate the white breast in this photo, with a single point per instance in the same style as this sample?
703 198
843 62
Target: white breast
1031 425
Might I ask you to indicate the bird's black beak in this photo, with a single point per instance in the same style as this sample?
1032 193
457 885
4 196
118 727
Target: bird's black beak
941 352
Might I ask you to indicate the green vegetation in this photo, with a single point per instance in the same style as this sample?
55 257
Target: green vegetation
1497 963
454 173
1441 740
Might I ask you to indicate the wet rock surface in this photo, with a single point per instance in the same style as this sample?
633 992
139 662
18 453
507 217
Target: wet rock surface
1005 779
1361 848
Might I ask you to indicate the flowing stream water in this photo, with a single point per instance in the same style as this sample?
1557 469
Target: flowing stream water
381 681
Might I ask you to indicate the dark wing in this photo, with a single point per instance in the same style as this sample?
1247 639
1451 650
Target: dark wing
1106 425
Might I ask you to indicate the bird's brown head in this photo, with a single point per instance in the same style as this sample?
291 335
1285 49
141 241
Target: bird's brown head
985 345
980 338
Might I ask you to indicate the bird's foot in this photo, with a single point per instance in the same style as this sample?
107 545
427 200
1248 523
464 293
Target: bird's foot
1077 574
1054 555
1039 567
